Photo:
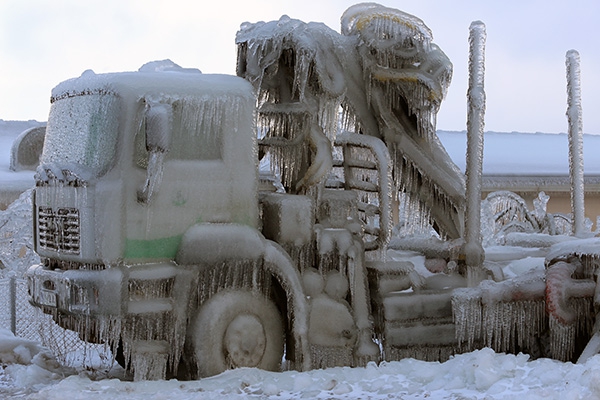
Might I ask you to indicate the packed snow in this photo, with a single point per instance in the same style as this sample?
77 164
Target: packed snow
28 371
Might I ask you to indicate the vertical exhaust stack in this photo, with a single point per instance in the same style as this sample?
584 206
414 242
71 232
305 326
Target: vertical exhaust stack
575 141
474 253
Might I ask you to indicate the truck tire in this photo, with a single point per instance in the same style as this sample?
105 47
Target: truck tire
233 329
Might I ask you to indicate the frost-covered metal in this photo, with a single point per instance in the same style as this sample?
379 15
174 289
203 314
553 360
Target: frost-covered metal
389 79
574 116
475 124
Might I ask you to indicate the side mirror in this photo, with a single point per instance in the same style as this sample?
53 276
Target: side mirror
158 140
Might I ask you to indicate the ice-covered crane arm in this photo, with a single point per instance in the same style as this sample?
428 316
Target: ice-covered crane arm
356 102
297 69
410 76
390 80
397 55
305 51
430 158
377 19
406 77
440 178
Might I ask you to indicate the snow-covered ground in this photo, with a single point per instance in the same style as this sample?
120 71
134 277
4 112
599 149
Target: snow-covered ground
28 371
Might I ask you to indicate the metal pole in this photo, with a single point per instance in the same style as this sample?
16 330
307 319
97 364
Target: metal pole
575 142
474 253
13 304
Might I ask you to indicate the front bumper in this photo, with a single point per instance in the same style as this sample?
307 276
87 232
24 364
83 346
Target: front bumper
77 292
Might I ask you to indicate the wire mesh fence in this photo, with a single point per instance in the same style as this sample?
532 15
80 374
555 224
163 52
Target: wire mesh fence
28 322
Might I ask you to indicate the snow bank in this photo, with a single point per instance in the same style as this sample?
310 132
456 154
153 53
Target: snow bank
26 366
477 375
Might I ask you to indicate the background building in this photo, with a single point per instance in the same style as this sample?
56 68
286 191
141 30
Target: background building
528 163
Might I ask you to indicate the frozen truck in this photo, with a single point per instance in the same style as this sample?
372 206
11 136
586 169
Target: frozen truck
148 224
159 236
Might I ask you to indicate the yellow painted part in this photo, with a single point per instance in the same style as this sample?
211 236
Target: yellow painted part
367 19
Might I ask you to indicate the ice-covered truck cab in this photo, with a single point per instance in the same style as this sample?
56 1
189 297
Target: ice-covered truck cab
145 197
126 157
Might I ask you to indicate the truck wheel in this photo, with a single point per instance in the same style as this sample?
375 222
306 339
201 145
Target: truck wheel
235 329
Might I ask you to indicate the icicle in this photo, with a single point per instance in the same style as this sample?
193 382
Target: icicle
563 336
288 130
149 360
467 313
59 340
424 353
507 316
590 263
243 274
513 325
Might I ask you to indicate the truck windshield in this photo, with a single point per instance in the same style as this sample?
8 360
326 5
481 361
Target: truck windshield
82 130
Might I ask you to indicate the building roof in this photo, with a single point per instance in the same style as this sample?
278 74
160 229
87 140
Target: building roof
524 154
527 162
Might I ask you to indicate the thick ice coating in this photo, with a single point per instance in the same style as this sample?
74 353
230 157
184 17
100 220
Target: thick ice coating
389 79
575 140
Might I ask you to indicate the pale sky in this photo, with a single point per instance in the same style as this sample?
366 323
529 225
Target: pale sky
43 42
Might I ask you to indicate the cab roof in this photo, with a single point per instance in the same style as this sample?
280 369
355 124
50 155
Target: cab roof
184 82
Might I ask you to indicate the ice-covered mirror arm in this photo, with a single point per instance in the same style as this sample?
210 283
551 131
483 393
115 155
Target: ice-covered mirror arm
158 136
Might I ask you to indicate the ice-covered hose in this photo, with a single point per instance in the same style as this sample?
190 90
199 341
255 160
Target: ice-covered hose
561 287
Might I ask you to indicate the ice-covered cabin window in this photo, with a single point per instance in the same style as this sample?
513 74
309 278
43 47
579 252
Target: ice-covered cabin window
196 132
82 130
198 126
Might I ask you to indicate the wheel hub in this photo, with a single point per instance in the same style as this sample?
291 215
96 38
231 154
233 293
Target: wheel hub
245 341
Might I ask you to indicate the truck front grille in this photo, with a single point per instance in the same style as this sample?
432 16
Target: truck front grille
58 229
